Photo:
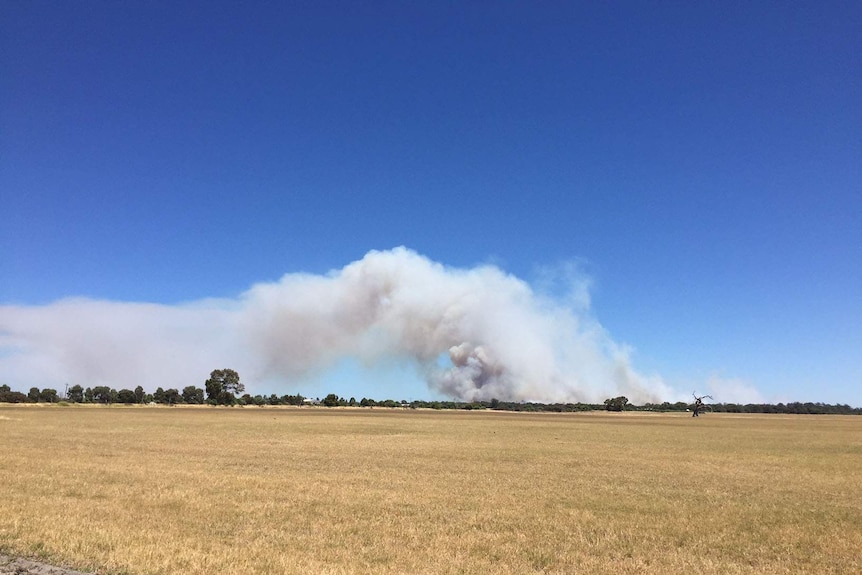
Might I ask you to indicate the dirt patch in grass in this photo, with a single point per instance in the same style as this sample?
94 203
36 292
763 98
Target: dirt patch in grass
13 566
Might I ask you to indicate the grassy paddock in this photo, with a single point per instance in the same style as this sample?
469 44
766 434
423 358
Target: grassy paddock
279 490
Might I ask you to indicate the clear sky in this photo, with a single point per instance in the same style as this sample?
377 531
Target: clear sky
698 165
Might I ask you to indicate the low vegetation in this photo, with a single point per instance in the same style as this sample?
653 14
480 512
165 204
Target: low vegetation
201 490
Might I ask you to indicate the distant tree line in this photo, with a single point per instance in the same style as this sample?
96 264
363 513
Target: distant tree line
190 395
612 404
796 407
223 388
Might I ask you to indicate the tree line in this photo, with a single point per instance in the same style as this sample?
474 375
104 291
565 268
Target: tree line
224 388
190 395
794 407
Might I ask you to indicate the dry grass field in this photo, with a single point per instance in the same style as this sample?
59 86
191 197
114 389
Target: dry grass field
146 490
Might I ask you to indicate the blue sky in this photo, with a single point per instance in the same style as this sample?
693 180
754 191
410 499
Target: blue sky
700 165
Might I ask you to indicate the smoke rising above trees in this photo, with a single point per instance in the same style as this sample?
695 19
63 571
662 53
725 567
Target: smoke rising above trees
474 334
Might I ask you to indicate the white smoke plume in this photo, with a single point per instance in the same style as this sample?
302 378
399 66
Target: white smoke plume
733 390
475 333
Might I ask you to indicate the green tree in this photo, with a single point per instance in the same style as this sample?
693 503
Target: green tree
159 395
139 394
104 394
193 394
49 395
292 399
172 396
330 400
617 403
76 394
126 396
33 394
9 396
222 387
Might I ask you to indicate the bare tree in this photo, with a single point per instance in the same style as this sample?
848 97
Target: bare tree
699 405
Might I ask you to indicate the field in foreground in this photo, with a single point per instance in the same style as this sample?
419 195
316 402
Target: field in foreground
229 491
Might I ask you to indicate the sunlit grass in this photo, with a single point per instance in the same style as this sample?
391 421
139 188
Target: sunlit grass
280 490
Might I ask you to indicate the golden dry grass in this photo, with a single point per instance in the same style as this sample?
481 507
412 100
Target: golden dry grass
245 491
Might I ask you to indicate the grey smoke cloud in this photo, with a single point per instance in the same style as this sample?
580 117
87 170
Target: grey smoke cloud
475 334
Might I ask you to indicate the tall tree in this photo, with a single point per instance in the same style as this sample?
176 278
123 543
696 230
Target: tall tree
222 387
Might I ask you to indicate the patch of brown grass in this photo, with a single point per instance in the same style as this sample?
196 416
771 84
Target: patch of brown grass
180 490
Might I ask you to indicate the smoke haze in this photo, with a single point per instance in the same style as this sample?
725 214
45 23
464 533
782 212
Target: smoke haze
475 334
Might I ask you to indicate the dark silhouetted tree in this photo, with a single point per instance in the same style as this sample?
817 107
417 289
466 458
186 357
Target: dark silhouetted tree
617 403
76 394
104 394
699 407
222 387
193 394
330 400
172 396
9 396
291 399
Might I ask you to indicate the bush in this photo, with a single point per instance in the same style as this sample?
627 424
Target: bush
13 397
617 403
